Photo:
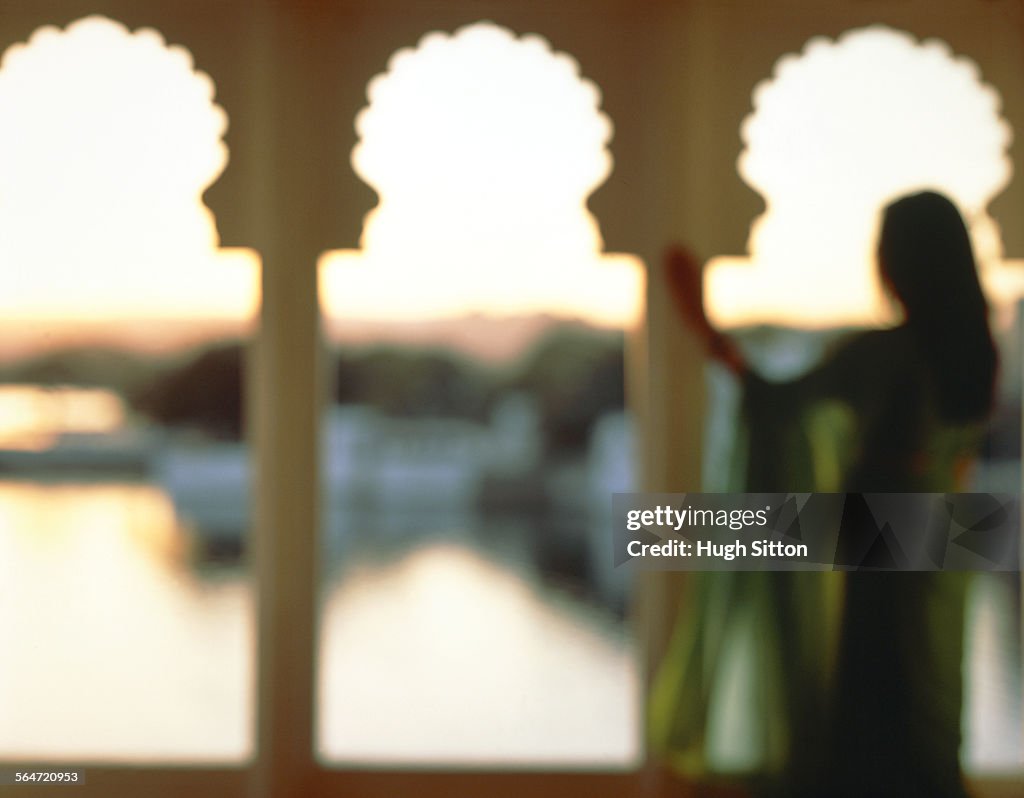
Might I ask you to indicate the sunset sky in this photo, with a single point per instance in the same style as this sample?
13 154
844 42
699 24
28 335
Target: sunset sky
110 138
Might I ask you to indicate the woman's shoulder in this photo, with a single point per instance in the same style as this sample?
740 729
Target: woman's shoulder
875 349
885 338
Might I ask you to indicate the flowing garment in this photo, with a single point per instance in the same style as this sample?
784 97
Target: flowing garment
857 676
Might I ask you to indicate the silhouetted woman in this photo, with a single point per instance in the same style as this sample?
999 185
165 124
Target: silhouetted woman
915 397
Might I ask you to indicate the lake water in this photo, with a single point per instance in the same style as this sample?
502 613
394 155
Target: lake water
116 646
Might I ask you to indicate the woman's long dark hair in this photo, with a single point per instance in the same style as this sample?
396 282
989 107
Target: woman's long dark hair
925 257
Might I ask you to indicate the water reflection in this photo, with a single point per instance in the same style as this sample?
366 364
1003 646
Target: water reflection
993 708
112 647
446 656
120 643
448 647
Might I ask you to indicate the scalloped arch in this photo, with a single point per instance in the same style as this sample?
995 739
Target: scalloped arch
531 110
109 138
483 147
117 89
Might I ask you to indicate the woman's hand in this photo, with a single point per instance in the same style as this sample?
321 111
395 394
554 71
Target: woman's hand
685 277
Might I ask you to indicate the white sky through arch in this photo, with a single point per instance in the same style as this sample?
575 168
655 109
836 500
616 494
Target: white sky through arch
483 148
108 138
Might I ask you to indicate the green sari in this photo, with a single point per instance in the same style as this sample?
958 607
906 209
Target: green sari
826 684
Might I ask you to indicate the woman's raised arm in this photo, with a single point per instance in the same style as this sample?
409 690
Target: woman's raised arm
685 279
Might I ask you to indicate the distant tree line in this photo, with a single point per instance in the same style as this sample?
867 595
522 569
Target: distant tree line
574 373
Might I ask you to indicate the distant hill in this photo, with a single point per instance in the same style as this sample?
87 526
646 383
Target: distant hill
493 340
21 339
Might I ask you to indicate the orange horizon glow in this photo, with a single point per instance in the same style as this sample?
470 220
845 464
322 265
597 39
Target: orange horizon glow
32 418
483 208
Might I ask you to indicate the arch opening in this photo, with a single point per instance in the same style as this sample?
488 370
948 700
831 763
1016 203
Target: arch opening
109 139
483 148
110 270
483 303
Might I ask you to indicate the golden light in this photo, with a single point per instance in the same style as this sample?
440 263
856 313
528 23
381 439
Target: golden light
483 148
492 679
840 130
108 139
32 417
